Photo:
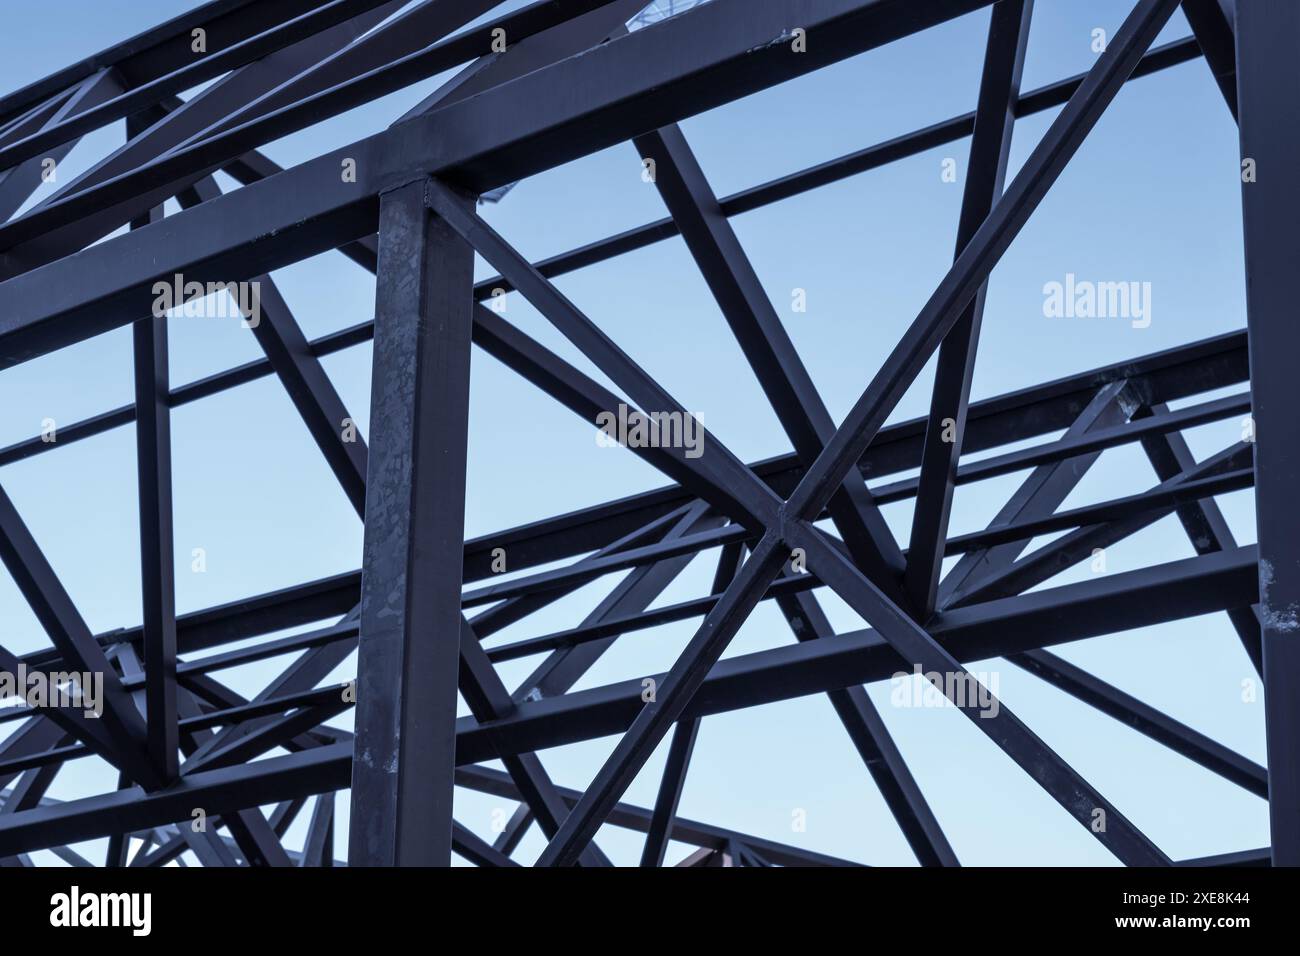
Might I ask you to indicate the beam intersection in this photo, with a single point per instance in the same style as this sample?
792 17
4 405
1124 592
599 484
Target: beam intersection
424 624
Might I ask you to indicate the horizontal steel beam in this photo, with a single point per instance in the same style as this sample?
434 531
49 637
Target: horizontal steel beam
716 53
166 48
1103 605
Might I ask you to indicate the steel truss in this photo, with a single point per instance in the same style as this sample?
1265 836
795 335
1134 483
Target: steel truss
180 738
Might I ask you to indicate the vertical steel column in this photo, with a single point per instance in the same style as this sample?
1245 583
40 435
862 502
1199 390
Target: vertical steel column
1268 87
411 574
153 443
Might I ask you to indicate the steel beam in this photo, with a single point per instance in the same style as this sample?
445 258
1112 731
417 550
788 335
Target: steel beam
1079 798
670 792
123 731
765 343
1051 559
1144 719
157 546
707 57
166 48
572 81
1041 492
1268 83
415 501
1214 32
1104 605
1204 523
719 476
972 267
489 700
673 780
1004 60
874 744
666 704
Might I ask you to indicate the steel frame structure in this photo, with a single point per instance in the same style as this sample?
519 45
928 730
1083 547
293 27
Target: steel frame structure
572 81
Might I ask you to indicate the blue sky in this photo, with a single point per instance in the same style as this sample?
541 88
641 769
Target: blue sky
1152 196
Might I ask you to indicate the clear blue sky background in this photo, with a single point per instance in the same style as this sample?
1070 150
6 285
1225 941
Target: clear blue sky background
1152 196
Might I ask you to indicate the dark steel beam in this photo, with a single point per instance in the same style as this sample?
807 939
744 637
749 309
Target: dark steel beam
167 47
1267 85
125 102
157 547
35 117
477 850
1004 60
1110 510
673 780
415 503
313 394
1095 439
874 744
253 835
123 729
581 31
1051 559
764 342
666 703
851 164
1145 719
847 446
108 193
707 57
318 849
1041 493
976 261
253 168
565 666
1079 798
572 82
313 601
670 792
512 610
306 672
36 735
215 101
489 700
218 791
1204 523
18 178
1214 33
1176 373
632 817
514 831
413 28
1102 605
584 571
715 474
